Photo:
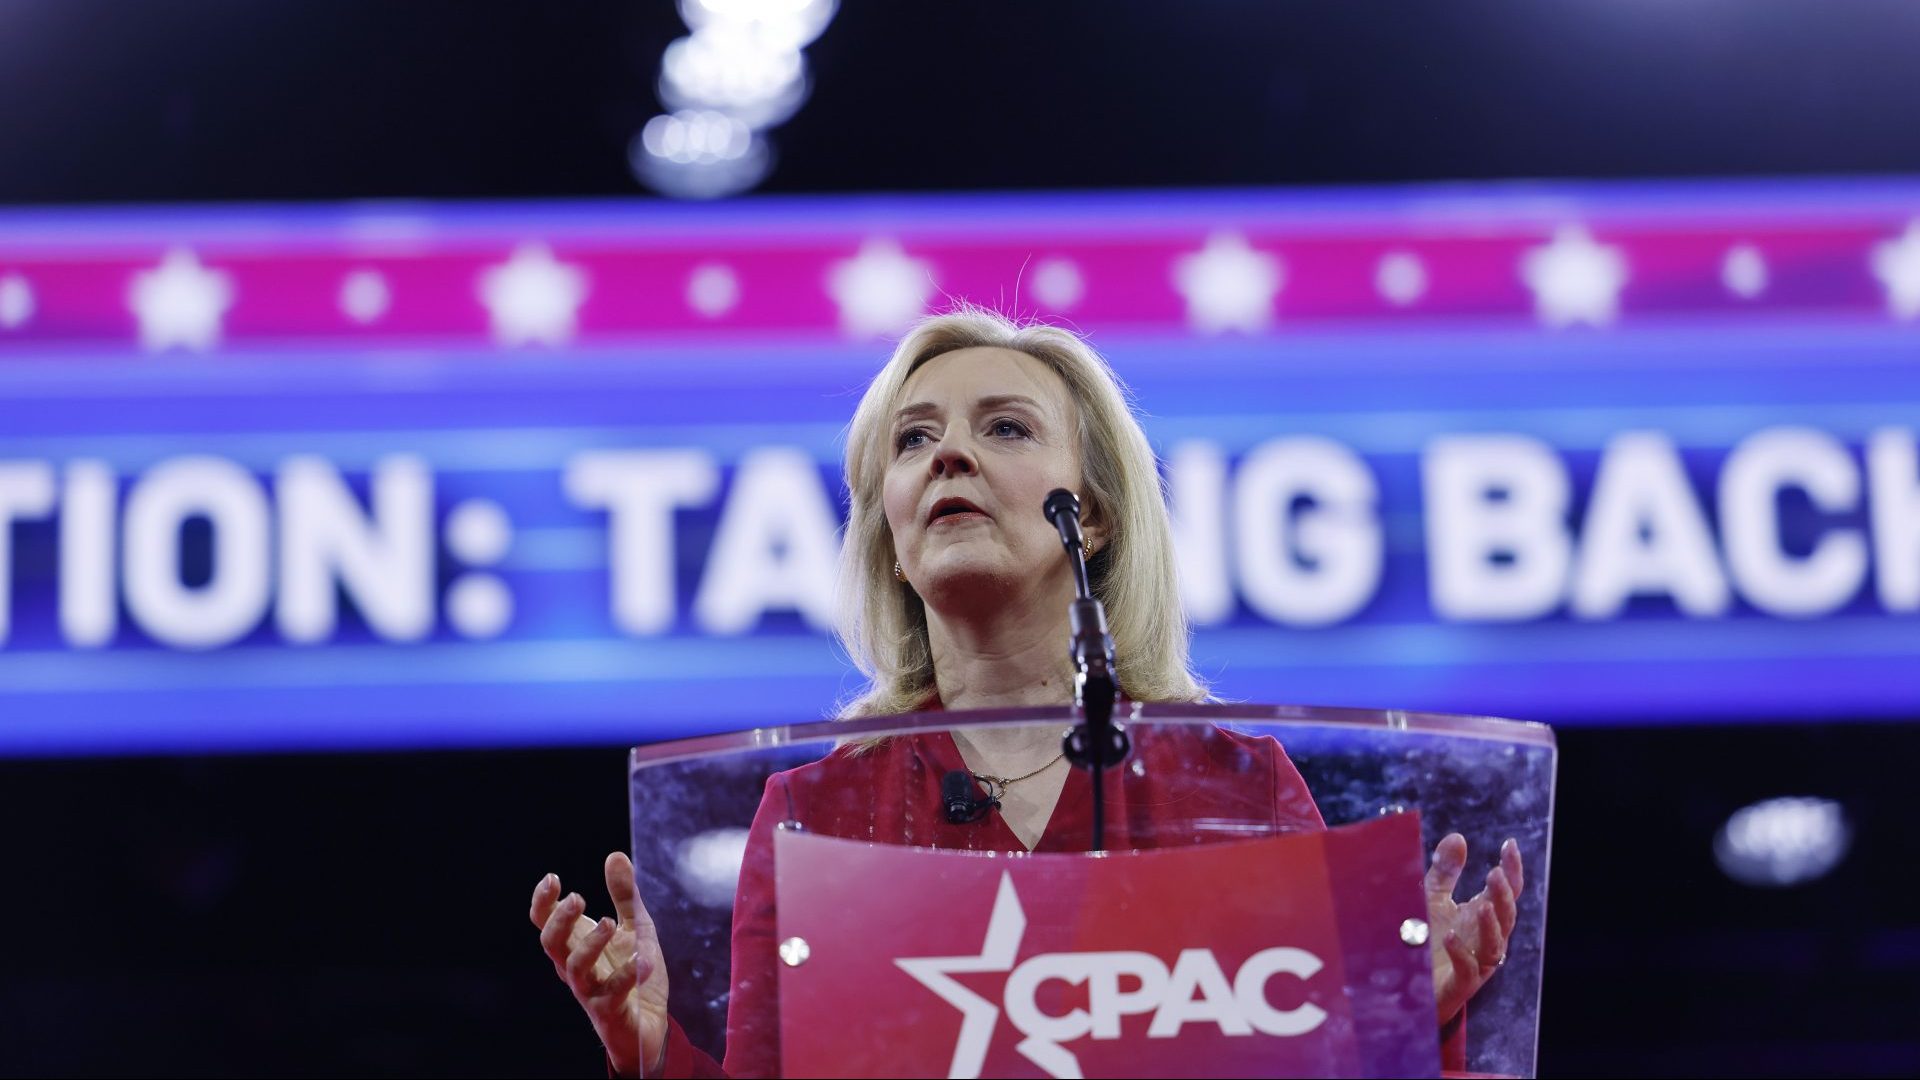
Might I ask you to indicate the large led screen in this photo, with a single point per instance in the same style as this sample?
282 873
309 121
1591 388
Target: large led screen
404 475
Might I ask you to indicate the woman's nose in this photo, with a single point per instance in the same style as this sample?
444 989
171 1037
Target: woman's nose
953 456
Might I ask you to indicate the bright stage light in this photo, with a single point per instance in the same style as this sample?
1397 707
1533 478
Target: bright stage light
699 154
708 866
1782 842
789 24
696 137
731 70
739 73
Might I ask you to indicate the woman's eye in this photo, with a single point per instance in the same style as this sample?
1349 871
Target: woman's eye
909 438
1010 429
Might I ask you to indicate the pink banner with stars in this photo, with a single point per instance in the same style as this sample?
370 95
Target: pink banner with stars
798 270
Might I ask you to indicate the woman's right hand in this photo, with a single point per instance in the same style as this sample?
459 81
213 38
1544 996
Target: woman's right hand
613 966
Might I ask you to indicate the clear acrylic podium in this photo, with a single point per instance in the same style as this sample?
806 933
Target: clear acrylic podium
693 802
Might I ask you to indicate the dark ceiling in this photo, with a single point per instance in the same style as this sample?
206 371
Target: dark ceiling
108 100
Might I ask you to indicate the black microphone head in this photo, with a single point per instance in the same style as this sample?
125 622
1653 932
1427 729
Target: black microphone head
1061 501
961 799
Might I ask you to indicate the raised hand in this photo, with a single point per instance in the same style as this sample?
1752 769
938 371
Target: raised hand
613 966
1469 940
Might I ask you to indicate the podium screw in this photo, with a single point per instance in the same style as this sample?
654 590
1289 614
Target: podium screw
794 951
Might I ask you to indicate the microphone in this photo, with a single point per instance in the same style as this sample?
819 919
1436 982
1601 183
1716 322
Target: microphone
1061 502
1097 742
1063 509
962 799
1091 645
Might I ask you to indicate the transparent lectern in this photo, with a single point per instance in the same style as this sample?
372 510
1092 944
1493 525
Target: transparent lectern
882 931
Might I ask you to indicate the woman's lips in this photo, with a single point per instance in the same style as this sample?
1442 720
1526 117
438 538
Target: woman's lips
963 515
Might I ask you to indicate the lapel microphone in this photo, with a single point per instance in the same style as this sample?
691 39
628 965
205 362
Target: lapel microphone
962 798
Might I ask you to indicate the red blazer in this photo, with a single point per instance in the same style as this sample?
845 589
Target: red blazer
1183 785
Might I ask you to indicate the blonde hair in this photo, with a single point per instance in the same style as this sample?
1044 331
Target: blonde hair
883 624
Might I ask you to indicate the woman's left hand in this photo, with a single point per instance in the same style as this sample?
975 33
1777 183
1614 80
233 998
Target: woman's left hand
1469 940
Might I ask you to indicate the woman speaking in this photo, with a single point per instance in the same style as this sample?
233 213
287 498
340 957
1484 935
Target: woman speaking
955 595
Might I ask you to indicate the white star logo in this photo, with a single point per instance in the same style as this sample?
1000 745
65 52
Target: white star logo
880 290
1228 285
531 297
364 296
1575 279
1005 927
713 290
1057 284
1897 264
16 301
180 302
1401 278
1744 271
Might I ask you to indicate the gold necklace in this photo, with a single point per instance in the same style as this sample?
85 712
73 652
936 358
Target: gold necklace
998 785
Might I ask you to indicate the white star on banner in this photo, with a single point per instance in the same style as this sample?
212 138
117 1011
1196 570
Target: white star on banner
880 290
1744 271
16 301
1005 927
364 296
1574 279
1228 285
1057 284
713 290
1401 278
180 302
531 297
1897 264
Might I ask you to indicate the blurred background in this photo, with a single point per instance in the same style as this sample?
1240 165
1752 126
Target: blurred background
405 408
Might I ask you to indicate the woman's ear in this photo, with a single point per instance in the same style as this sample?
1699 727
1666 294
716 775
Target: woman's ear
1093 526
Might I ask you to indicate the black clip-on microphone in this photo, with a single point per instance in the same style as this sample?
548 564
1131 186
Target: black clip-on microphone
1096 743
963 802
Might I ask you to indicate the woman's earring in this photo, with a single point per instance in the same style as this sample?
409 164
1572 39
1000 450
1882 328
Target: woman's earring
1086 543
899 574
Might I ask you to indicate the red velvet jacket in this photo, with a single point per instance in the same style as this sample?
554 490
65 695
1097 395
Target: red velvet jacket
1183 785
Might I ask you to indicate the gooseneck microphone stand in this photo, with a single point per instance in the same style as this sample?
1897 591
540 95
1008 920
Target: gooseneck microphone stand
1096 743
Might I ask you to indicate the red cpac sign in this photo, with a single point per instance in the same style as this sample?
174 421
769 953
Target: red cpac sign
1269 957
